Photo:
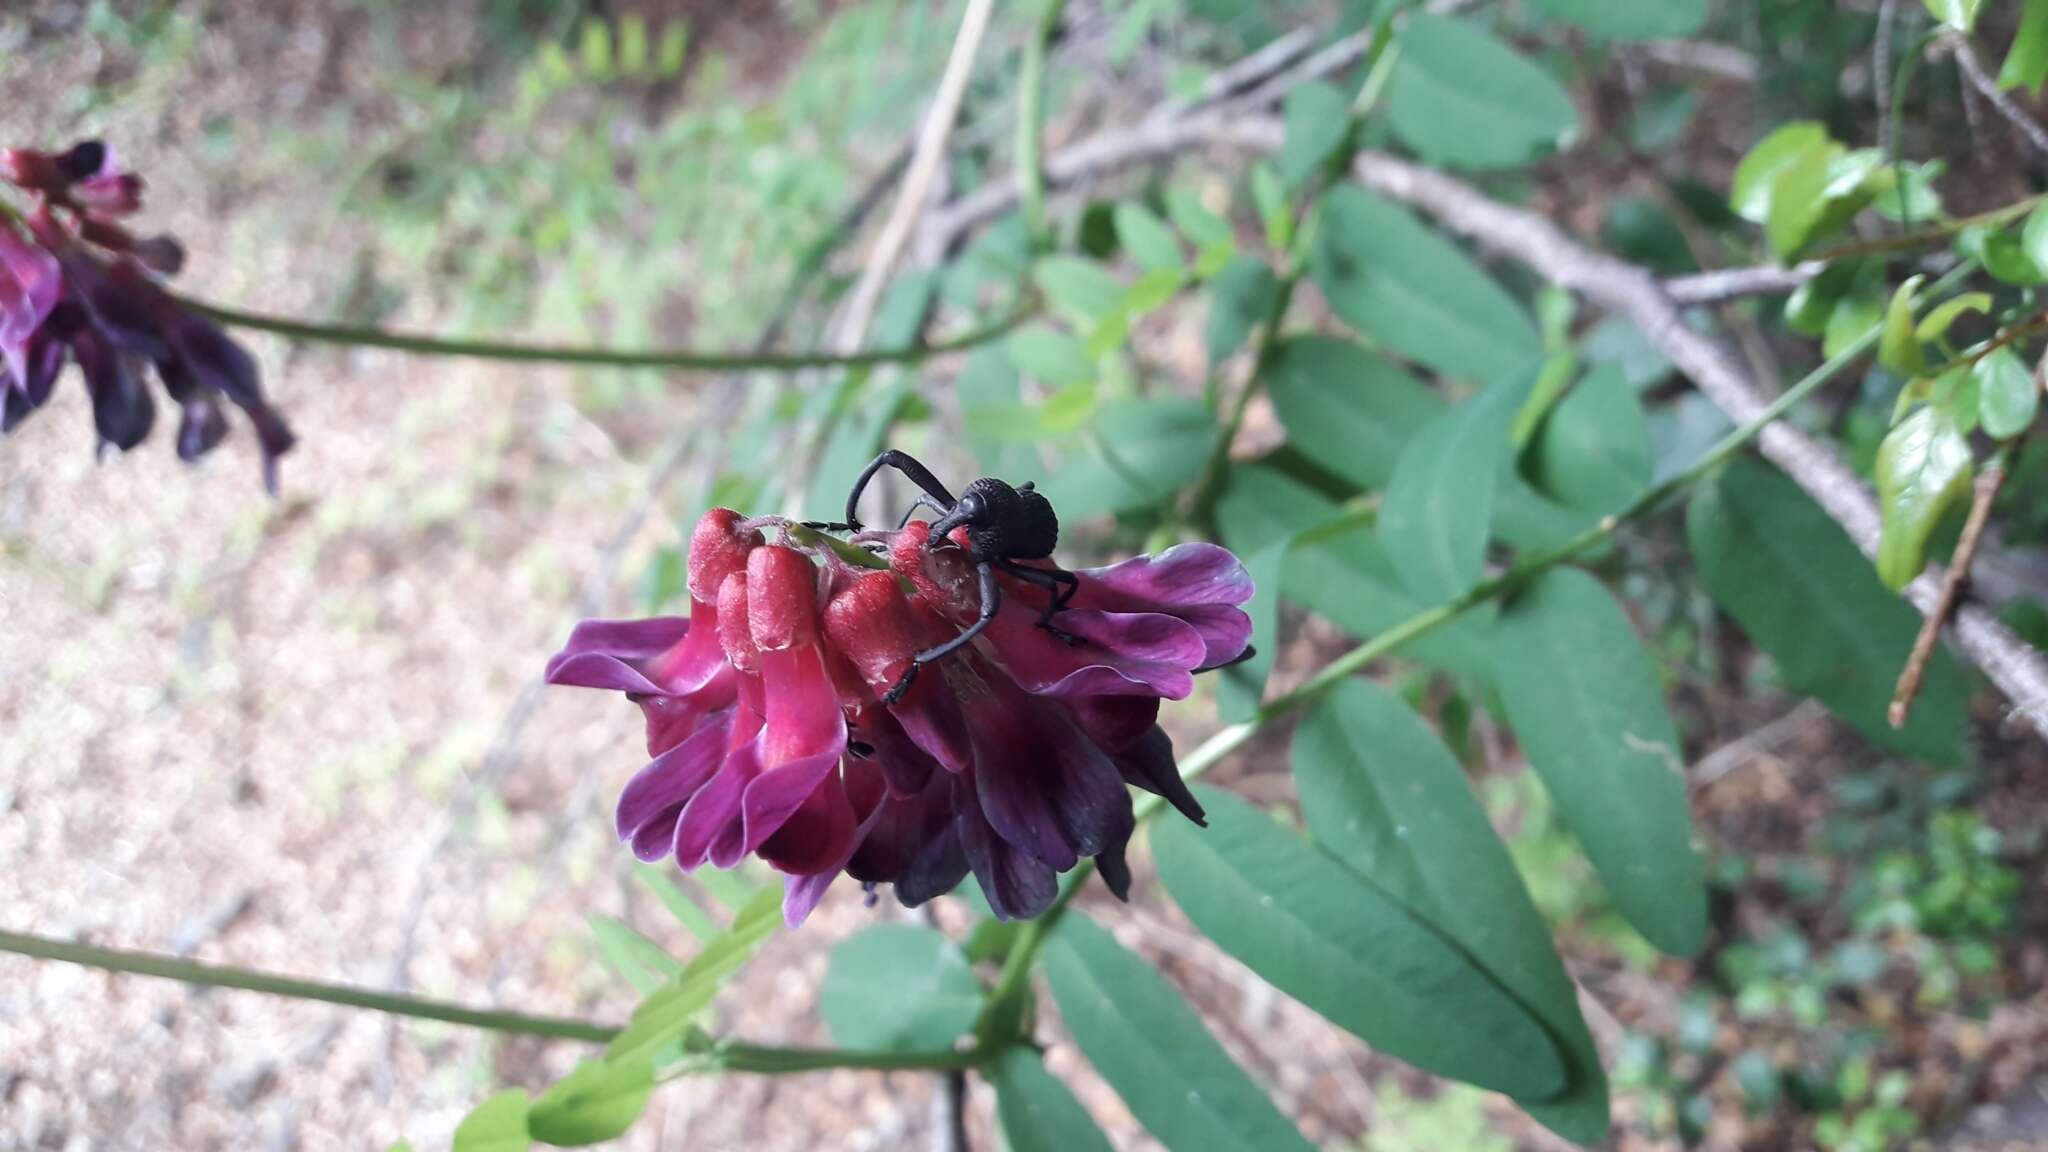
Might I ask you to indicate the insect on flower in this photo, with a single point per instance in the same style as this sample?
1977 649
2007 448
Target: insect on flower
786 718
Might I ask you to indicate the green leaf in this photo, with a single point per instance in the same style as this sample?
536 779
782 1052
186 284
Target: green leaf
1051 356
1384 796
1341 947
1798 201
1588 706
496 1125
2034 236
1151 1047
1196 222
2026 65
862 428
1080 289
1937 322
1394 280
1757 176
1240 296
1960 15
1923 470
667 1014
899 987
2008 394
1035 1110
1147 239
1857 313
1345 407
1898 349
1318 119
597 1102
1144 450
1792 578
1594 450
990 403
1630 19
641 961
1462 99
1438 506
1269 194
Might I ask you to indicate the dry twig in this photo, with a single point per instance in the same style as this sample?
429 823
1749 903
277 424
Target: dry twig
1952 582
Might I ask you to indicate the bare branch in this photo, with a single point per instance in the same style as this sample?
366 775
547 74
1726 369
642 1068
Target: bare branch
1973 71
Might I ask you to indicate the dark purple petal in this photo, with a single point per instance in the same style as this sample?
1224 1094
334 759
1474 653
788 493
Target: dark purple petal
710 822
45 360
1149 764
122 410
1182 576
1017 884
125 310
912 843
874 735
1116 873
14 404
1042 784
663 656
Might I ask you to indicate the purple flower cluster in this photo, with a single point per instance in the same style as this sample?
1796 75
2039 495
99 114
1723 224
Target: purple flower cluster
1008 758
76 284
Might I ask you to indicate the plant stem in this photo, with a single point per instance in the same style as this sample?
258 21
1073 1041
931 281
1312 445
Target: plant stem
783 1061
221 976
1908 688
1031 122
1017 965
366 336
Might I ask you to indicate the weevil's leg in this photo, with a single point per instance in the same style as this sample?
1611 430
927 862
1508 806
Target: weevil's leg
903 462
1060 583
921 502
991 599
828 526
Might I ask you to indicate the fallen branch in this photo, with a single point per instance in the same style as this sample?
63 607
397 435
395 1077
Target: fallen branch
1973 71
1619 287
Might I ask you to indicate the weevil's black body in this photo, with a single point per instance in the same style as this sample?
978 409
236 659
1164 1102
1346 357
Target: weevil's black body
1004 525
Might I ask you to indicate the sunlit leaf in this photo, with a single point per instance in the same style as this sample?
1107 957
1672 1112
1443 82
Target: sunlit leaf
2008 394
1759 172
1923 470
2026 64
1960 15
1080 289
1942 316
597 1102
1051 356
667 1014
1898 346
496 1125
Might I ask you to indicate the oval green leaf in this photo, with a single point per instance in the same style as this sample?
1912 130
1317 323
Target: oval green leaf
1343 948
1147 239
1759 172
1593 452
2008 394
1794 580
1438 506
899 987
1151 1047
1240 297
1586 701
1035 1110
1898 346
1346 407
597 1102
1384 796
496 1125
1317 118
1462 99
1923 470
1391 278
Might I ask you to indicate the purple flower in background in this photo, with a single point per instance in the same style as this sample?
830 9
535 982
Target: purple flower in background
76 284
1007 759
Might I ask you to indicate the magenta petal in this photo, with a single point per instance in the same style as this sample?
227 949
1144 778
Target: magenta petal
778 793
1118 653
656 838
1182 576
713 810
801 893
1226 632
627 639
876 736
669 781
802 739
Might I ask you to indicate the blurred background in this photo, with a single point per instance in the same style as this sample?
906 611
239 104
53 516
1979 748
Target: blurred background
306 735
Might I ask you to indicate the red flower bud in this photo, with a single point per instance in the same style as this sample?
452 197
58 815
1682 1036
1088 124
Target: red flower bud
782 598
870 622
718 548
733 634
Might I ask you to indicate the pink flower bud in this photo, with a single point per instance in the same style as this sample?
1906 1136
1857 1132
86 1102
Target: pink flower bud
733 633
869 622
718 548
782 598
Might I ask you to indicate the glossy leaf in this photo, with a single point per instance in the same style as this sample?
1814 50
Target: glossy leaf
1756 177
899 986
1798 200
599 1101
1630 19
1593 453
1317 119
1794 580
1035 1110
1150 1046
1147 239
1438 506
1923 470
1240 297
1384 796
1587 704
1462 99
2008 394
1898 346
2026 64
496 1125
1340 946
1943 316
1391 278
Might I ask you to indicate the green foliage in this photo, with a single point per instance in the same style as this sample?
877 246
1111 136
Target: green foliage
1803 187
1341 947
597 1102
1151 1047
2026 63
1439 501
2008 394
1462 99
496 1125
1650 20
900 986
1923 471
1035 1110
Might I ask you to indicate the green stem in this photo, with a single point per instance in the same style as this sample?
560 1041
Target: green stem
371 337
1031 122
220 976
1017 965
783 1061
